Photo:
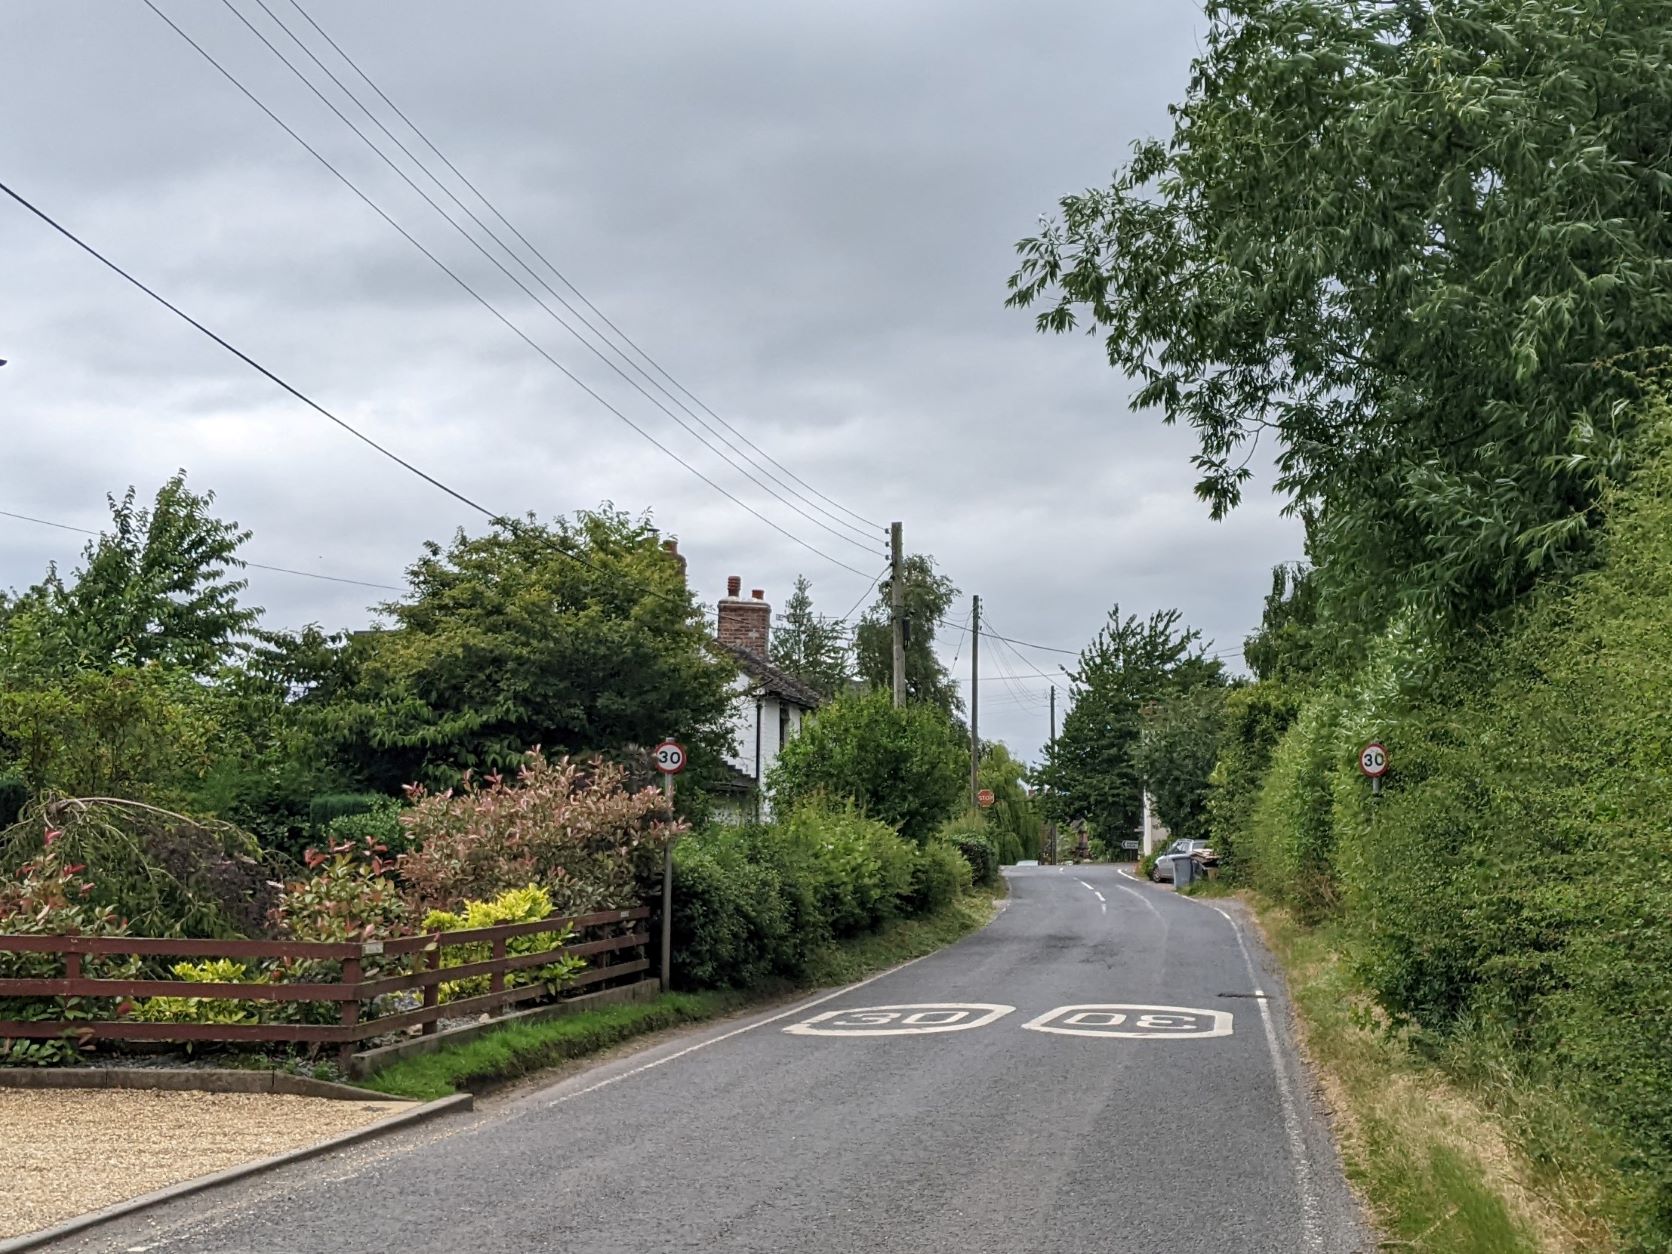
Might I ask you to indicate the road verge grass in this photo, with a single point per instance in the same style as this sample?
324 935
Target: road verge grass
1433 1155
521 1049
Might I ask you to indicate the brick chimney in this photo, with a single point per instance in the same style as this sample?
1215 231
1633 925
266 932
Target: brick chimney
745 624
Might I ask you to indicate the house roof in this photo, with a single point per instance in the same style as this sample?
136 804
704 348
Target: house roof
769 679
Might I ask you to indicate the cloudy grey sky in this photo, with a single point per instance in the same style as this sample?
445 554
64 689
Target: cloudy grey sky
804 211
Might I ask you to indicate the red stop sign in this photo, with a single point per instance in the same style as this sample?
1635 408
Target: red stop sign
985 796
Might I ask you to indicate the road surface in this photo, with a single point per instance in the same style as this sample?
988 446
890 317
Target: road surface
1096 1070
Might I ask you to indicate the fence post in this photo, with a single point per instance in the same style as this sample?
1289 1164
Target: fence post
496 981
72 966
350 1011
432 990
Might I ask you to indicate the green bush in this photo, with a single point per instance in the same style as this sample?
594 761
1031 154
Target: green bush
326 808
1256 717
939 875
380 824
1291 839
907 767
970 836
730 922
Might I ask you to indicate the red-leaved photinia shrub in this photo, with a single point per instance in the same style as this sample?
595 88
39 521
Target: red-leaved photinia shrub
572 828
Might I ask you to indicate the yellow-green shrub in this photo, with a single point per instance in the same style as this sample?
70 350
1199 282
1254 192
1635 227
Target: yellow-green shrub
530 904
206 1009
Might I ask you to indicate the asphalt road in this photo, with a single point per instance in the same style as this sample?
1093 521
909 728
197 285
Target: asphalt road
995 1112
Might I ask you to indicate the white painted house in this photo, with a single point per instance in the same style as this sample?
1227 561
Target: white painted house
768 706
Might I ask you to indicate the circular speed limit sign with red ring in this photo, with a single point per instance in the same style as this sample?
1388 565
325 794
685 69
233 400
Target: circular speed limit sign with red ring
1373 760
669 757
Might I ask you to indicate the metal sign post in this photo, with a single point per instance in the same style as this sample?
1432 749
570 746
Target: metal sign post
669 757
1373 764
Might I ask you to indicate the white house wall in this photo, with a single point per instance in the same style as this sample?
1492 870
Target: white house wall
744 709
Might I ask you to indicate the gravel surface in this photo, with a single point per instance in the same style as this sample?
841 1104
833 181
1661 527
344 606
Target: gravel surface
64 1152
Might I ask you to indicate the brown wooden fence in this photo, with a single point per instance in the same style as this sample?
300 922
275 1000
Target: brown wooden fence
619 948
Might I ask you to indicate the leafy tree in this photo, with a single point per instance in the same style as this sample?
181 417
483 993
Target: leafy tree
928 597
577 637
1289 643
155 588
1177 750
908 767
1420 244
1091 770
1013 814
812 649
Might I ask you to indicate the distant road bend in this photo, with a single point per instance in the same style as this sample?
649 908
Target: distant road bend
1105 1068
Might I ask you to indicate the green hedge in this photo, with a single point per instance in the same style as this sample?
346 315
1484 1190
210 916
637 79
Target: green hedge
756 902
1509 895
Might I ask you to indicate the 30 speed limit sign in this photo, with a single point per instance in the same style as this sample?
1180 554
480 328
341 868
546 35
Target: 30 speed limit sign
669 757
1373 760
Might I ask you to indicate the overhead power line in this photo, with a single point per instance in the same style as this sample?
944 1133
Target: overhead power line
307 400
722 453
450 273
868 525
283 570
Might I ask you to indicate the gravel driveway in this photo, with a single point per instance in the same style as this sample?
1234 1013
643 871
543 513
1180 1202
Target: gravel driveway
64 1152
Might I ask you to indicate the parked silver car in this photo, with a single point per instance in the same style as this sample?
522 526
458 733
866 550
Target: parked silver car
1163 868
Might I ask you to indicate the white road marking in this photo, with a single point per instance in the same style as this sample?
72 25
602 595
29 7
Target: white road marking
915 1020
1130 1022
726 1036
1309 1234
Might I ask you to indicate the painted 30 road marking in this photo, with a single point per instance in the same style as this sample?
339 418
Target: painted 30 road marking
1128 1022
917 1020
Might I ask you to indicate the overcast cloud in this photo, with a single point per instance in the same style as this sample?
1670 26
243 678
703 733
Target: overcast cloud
804 211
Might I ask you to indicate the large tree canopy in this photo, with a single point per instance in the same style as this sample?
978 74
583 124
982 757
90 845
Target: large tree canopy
579 636
1417 243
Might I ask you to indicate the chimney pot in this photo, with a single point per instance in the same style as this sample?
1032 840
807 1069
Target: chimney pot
734 585
758 593
745 624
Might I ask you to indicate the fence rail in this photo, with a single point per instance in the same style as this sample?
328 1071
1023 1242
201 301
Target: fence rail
420 965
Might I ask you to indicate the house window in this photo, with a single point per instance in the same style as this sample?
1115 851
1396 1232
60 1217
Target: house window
783 725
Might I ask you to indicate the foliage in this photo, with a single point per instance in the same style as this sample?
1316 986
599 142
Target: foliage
139 733
324 808
529 904
1414 241
973 840
205 1009
379 824
50 896
154 588
1256 716
928 597
1091 770
349 894
166 873
1176 753
939 877
760 902
1014 818
571 828
810 648
580 636
907 767
1507 892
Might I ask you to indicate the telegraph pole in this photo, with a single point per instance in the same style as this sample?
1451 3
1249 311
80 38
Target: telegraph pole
897 600
975 701
1053 739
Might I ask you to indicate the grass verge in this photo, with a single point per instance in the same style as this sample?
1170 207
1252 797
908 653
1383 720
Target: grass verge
521 1049
1435 1161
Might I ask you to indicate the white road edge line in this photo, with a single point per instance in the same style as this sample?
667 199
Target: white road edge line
1311 1239
726 1036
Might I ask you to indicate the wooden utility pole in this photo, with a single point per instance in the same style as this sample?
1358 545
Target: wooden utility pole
975 702
897 600
1053 739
